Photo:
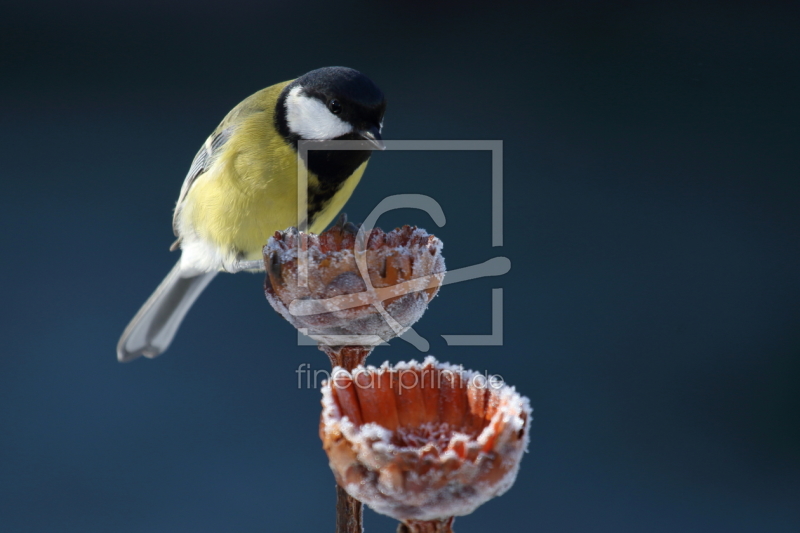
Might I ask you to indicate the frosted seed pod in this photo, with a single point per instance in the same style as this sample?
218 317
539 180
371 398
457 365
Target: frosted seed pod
423 442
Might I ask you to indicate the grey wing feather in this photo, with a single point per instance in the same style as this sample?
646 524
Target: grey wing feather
201 162
211 148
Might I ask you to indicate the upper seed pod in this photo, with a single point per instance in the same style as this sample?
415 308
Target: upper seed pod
342 296
422 442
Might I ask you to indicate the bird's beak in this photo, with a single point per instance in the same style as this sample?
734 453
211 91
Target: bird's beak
373 135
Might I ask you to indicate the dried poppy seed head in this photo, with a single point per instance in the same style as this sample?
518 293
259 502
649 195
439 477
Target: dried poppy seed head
422 442
316 283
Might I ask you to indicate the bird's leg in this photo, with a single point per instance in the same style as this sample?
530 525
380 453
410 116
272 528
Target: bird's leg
257 264
238 265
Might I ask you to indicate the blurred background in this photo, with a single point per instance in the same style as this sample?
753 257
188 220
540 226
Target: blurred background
652 313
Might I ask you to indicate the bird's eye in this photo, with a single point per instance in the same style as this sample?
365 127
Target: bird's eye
335 106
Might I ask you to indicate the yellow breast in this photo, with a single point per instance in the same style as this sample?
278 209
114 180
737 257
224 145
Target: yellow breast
251 189
238 211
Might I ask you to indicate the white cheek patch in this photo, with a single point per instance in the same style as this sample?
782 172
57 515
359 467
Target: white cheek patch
310 119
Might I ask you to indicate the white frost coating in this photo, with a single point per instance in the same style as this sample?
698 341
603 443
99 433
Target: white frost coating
311 119
455 483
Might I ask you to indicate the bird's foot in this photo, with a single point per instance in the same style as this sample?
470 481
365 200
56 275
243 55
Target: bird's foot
345 226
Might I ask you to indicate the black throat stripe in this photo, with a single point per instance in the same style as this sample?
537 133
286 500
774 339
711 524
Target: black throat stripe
331 167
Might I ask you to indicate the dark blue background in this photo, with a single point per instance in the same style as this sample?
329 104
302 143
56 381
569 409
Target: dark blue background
651 211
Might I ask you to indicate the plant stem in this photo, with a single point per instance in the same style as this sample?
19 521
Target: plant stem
349 511
347 357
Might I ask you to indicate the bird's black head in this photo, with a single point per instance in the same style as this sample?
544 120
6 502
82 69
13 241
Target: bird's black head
331 103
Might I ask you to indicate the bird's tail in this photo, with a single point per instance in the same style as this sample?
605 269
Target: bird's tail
152 329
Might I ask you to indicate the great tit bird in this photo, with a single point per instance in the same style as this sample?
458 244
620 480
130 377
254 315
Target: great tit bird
242 187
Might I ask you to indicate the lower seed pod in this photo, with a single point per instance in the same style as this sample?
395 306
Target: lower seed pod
422 442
